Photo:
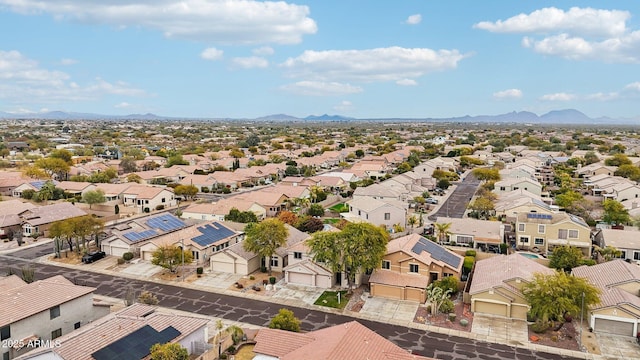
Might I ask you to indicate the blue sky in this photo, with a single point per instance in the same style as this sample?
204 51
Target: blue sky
363 59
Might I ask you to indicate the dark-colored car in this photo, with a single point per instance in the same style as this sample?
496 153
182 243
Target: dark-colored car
88 258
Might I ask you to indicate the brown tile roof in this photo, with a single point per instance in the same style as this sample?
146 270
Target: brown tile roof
145 192
51 213
494 272
406 244
350 340
14 207
388 277
607 277
20 302
10 282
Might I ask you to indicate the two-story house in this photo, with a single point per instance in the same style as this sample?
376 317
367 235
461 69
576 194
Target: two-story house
410 264
542 232
627 241
377 212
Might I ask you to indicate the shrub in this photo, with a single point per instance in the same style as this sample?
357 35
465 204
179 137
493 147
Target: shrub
146 297
231 349
540 326
448 283
263 269
252 277
127 256
446 306
199 270
146 210
120 261
160 207
470 253
272 280
468 264
452 317
223 356
464 322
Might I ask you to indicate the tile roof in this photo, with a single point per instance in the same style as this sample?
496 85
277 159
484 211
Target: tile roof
350 340
20 302
479 229
388 277
51 213
426 251
495 271
607 277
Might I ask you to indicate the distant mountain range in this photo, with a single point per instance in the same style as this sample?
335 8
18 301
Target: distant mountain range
568 116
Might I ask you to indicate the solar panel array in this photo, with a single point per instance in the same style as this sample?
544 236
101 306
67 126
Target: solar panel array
38 184
136 345
166 222
139 236
211 233
539 216
437 252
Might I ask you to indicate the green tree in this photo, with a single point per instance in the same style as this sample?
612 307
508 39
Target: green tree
265 237
170 256
316 210
94 197
617 160
568 199
285 320
63 154
53 166
628 171
128 165
244 217
608 253
552 296
46 191
565 258
176 160
412 221
483 206
169 351
436 296
236 153
486 174
357 247
442 231
188 191
615 213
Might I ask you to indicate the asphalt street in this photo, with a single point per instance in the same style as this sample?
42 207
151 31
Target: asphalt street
455 205
259 313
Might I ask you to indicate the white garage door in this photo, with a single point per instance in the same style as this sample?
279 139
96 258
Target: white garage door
116 251
147 255
224 267
614 327
323 281
301 279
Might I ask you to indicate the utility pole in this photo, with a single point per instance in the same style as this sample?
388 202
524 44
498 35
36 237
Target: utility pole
182 248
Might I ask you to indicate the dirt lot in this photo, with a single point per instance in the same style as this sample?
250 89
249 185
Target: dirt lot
565 338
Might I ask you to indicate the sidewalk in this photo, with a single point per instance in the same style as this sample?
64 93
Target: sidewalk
302 301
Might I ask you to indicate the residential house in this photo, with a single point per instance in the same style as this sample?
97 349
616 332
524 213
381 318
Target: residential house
410 264
280 260
345 176
201 182
521 201
542 232
235 260
45 309
479 234
76 189
380 192
30 185
627 241
9 180
350 340
38 220
512 184
373 168
272 202
218 210
10 220
378 212
299 181
598 168
623 191
114 193
496 285
302 270
130 236
128 334
618 311
147 198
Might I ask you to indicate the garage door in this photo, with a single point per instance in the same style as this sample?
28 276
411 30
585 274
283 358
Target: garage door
116 251
323 281
614 327
490 308
224 267
414 295
301 279
147 255
389 292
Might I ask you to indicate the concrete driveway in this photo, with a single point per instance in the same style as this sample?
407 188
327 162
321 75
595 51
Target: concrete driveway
142 268
308 295
618 347
508 331
387 309
217 280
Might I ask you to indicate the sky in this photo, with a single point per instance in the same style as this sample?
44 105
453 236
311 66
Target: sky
356 58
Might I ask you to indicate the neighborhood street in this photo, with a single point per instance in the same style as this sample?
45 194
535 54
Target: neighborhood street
440 346
455 205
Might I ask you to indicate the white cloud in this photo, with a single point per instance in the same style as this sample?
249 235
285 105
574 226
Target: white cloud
68 62
222 22
263 51
211 54
407 82
23 81
414 19
603 96
344 106
585 21
371 65
577 34
251 62
319 88
508 94
558 97
635 86
123 105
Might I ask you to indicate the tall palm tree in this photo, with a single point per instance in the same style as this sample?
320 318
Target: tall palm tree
442 231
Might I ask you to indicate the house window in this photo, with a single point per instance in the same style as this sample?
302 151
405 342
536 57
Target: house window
573 234
636 255
541 229
54 312
414 268
538 241
359 213
460 239
56 334
521 227
195 255
5 356
387 216
5 332
444 275
297 255
502 188
623 254
562 234
524 239
163 200
386 264
76 325
274 261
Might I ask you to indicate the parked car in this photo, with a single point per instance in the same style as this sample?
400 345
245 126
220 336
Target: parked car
431 200
90 257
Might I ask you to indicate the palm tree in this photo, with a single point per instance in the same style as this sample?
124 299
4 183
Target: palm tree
442 231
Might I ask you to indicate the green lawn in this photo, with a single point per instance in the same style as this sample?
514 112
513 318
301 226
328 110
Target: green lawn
341 207
331 221
330 299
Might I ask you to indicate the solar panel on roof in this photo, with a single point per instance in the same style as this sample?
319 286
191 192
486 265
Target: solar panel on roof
137 236
136 345
212 233
166 222
437 252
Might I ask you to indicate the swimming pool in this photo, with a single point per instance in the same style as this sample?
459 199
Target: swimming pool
530 255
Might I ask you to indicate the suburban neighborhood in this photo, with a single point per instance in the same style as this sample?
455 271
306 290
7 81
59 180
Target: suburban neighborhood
521 237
